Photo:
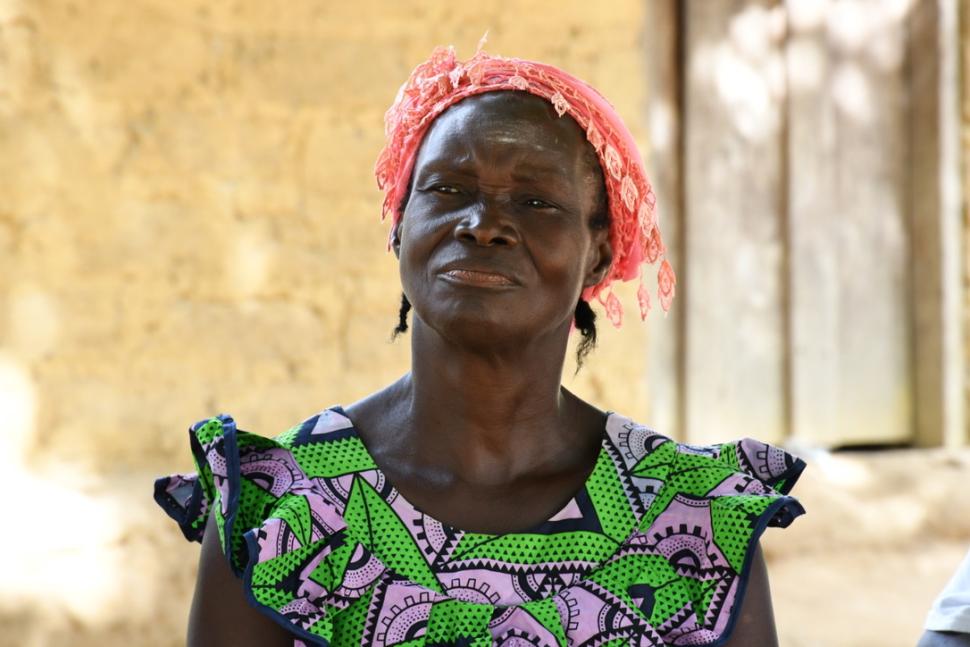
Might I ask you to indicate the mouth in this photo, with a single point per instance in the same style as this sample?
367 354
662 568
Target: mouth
477 278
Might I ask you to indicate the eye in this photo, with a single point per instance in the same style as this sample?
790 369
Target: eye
536 203
445 189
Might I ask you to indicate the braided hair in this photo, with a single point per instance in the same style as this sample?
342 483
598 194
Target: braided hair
584 319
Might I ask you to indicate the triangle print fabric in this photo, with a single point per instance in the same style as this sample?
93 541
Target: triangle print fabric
654 550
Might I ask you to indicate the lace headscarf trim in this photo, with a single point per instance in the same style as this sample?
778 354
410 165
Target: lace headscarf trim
442 81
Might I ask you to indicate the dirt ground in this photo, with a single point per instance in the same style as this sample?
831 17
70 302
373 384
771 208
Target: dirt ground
883 533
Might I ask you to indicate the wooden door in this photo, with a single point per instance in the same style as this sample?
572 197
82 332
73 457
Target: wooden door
810 188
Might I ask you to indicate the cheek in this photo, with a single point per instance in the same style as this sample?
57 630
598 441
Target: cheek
418 230
420 223
419 238
560 253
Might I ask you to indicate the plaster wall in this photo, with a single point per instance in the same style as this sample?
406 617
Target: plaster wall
189 225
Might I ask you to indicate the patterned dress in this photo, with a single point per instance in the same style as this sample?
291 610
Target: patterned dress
654 550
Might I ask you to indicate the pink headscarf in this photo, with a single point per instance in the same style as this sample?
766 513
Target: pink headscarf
442 81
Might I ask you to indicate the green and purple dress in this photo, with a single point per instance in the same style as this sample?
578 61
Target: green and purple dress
654 550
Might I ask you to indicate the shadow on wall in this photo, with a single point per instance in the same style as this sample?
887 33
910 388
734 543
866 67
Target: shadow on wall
79 551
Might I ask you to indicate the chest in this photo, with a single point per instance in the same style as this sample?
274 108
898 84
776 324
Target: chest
514 507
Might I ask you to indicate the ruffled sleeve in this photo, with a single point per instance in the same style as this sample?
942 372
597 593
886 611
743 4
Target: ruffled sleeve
279 534
707 508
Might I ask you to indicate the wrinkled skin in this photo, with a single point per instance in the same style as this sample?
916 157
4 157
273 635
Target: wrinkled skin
509 196
495 248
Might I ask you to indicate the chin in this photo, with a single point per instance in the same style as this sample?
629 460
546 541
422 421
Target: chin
487 329
474 324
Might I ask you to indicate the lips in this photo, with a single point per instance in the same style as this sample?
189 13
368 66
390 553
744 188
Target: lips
474 274
472 277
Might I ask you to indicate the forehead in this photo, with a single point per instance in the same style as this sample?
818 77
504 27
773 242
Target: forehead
516 123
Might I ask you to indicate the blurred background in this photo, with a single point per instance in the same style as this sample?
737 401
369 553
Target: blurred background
189 224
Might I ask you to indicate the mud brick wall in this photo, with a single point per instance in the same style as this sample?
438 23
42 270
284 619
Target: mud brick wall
189 224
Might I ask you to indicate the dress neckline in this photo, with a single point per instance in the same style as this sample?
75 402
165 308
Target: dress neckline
558 522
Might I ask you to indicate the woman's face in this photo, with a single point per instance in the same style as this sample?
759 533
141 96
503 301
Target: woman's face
495 245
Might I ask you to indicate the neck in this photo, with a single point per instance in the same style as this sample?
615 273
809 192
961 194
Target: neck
487 414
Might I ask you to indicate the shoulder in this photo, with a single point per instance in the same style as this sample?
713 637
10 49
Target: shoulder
704 511
755 466
258 506
737 487
235 466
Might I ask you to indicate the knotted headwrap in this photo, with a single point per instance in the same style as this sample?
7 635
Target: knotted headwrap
443 81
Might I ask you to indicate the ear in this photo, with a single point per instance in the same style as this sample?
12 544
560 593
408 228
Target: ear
600 257
396 239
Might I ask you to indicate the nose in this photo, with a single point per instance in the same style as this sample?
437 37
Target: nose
487 225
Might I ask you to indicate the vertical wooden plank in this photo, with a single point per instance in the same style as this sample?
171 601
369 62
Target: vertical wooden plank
937 223
734 344
664 339
812 229
964 75
850 325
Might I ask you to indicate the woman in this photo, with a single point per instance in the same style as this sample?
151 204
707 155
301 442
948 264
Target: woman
518 514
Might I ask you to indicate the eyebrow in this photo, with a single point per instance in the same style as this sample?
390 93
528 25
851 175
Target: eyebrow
523 173
449 164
